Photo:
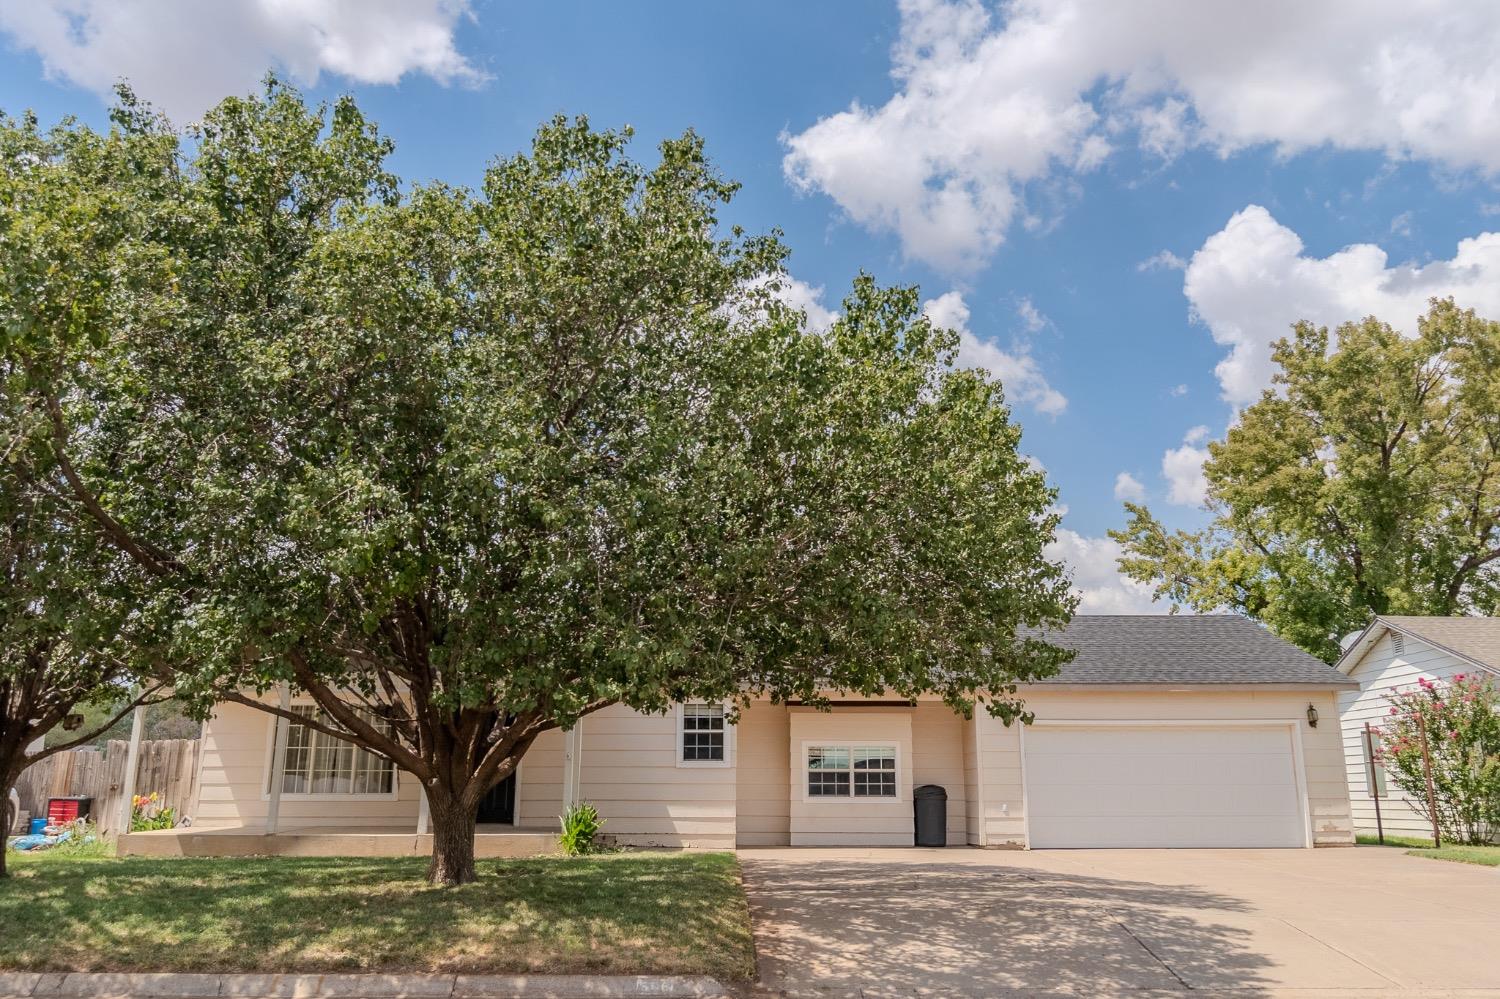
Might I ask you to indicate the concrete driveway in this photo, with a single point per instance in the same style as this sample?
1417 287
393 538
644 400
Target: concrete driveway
1366 921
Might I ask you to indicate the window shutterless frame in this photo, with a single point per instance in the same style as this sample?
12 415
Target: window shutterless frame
322 762
704 736
866 772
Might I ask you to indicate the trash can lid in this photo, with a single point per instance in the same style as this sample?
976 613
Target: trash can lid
930 791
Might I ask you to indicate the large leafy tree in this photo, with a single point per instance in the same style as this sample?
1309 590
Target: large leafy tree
74 610
463 466
1367 482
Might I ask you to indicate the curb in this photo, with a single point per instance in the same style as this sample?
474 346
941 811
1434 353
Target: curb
78 985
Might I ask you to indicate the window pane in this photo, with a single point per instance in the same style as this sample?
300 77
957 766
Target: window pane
875 784
875 757
826 784
828 758
320 764
702 732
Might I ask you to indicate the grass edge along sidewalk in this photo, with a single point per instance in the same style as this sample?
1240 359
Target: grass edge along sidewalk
75 985
1485 856
668 913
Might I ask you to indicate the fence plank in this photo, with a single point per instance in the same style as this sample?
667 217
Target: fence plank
168 766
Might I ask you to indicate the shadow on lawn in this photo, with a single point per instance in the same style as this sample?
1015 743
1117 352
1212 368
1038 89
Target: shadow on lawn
978 930
620 914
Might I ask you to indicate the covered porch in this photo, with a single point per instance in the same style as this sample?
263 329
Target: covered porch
490 841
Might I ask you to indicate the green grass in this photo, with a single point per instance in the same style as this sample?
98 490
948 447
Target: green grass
1488 856
662 913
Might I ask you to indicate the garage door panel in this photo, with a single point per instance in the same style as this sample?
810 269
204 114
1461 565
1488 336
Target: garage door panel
1104 800
1162 787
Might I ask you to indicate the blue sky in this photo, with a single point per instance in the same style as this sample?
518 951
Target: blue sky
1121 205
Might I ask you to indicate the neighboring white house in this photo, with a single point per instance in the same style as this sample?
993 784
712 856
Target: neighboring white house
1391 654
1164 731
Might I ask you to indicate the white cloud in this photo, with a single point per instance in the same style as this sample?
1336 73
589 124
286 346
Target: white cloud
1017 370
1166 260
1251 281
1031 317
185 55
1178 391
801 295
987 104
1128 487
1096 577
1183 469
1401 224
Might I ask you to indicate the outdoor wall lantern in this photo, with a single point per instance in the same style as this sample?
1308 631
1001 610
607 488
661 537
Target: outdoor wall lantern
1312 716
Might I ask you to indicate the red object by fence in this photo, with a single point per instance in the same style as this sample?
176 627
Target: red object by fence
64 810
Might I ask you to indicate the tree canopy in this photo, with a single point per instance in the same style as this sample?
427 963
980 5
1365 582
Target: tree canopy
466 465
1366 482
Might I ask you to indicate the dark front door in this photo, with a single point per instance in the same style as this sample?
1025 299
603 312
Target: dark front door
500 804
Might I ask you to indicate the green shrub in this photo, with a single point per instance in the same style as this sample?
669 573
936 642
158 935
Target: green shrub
580 826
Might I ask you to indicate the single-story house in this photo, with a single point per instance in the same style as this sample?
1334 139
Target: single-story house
1164 731
1393 652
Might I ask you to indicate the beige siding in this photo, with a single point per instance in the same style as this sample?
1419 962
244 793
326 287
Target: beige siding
1322 750
845 821
1378 673
236 774
539 789
937 757
763 792
973 786
630 773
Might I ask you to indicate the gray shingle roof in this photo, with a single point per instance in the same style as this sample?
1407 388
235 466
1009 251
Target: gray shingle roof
1475 638
1184 649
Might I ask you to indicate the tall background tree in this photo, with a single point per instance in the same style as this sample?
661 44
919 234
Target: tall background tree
1366 482
74 609
464 466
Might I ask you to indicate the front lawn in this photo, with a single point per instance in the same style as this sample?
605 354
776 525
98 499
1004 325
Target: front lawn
1488 856
661 913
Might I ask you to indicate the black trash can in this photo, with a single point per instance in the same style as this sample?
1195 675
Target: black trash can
931 804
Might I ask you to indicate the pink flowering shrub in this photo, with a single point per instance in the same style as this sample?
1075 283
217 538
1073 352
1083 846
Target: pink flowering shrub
1462 718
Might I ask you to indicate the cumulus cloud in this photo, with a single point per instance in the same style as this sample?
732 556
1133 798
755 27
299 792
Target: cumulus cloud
1016 369
1128 487
1251 281
988 102
185 55
1096 578
1182 467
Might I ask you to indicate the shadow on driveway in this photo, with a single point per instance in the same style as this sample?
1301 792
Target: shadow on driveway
837 926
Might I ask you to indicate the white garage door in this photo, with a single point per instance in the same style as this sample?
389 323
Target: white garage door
1162 787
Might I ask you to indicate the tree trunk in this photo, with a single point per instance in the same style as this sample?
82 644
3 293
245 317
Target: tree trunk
452 839
7 781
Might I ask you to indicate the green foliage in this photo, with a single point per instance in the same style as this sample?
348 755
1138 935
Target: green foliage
148 813
493 459
1462 721
580 826
1367 482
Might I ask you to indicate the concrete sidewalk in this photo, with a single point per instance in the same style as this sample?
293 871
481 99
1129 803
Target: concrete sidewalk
76 985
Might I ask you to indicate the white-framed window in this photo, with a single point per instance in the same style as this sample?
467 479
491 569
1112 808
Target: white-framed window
318 764
703 735
852 770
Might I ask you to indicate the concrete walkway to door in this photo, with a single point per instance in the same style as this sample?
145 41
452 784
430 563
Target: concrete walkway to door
1362 921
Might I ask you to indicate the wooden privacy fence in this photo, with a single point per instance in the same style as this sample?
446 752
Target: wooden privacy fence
169 766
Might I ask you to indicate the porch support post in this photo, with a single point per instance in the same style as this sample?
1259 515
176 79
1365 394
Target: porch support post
132 766
572 764
424 811
278 761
